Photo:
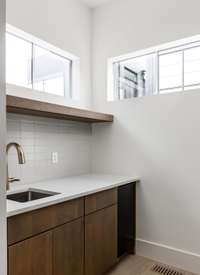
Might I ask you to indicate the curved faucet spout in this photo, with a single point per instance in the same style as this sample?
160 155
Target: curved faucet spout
21 160
20 153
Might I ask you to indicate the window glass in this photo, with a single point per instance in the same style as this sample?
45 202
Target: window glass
134 77
170 71
51 73
18 61
192 66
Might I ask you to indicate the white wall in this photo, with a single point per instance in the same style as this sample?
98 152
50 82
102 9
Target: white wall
3 250
63 23
158 137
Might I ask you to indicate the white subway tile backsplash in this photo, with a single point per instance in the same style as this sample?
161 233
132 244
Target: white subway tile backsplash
39 137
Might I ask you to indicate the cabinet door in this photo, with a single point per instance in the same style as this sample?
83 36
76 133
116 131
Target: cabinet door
32 256
100 241
68 248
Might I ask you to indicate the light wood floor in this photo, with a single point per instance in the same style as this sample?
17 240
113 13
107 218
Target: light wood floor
136 265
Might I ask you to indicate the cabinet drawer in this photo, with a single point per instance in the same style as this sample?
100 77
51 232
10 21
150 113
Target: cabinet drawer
25 225
100 200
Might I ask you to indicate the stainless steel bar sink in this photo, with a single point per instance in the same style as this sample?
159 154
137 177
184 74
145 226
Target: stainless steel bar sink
30 195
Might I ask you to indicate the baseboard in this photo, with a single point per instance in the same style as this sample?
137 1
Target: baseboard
169 255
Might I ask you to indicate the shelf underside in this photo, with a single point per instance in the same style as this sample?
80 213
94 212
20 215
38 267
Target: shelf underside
25 106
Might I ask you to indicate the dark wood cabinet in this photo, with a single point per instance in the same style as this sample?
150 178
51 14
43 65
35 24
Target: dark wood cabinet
59 250
32 256
100 241
83 236
26 225
68 249
100 200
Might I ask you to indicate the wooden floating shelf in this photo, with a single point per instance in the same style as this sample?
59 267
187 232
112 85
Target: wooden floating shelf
26 106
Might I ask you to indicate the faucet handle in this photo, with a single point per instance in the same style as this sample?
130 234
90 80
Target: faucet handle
13 180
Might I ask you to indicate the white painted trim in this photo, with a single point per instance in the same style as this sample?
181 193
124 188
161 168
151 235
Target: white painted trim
170 255
75 91
110 81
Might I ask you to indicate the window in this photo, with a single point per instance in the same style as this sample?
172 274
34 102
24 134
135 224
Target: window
34 64
173 67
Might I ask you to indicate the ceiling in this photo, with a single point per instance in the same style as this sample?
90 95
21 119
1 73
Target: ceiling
95 3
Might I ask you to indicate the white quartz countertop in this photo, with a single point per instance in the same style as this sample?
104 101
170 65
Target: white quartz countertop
68 188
